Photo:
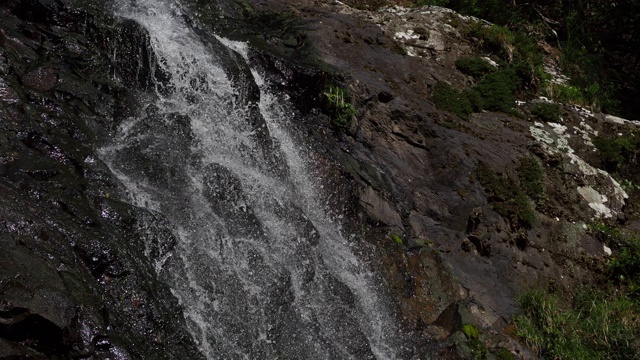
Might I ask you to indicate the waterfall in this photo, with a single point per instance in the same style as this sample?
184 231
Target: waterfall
238 227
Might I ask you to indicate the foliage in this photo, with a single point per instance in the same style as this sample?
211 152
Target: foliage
496 90
607 234
597 325
449 99
504 354
627 185
474 99
470 331
495 38
397 239
600 322
531 178
618 151
339 105
546 111
474 66
476 347
600 43
624 267
507 197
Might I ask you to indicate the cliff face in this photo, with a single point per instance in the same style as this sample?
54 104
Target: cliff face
73 278
447 189
459 215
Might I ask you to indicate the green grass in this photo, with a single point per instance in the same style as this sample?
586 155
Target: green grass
595 325
595 322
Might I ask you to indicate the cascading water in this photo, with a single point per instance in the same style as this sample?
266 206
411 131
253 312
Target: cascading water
260 268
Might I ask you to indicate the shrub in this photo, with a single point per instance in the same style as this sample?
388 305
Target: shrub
474 98
495 38
546 111
565 93
474 66
617 151
449 99
496 90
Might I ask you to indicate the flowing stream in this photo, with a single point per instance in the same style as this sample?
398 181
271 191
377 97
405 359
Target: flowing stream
237 227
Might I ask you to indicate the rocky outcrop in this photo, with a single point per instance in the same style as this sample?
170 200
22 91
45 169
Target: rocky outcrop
429 191
414 174
74 281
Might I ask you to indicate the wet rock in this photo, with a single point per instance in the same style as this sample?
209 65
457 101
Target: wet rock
41 79
7 94
74 280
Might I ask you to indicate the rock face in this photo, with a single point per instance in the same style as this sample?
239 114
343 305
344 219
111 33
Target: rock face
414 181
73 278
414 174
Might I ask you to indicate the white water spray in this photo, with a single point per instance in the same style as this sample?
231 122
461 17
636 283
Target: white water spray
260 268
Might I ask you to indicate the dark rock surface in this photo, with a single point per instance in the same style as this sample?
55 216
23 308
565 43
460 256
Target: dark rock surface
74 281
405 168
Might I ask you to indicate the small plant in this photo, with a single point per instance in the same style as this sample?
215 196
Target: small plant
546 111
474 66
476 347
564 93
339 105
470 331
628 185
397 239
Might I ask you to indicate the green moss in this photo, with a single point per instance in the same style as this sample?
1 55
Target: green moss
474 66
531 178
546 111
507 197
449 99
